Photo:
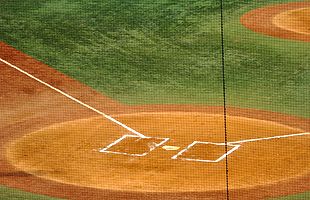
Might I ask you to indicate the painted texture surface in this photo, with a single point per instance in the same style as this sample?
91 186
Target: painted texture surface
159 53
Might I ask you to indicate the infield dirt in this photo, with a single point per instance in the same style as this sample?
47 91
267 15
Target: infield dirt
69 153
29 108
288 21
294 20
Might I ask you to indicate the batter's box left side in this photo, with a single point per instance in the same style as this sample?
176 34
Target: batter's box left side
133 145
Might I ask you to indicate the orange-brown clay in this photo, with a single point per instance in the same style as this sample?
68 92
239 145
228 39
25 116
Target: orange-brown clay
69 153
288 21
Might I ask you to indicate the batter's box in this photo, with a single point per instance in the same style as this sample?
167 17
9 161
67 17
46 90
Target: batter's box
205 152
132 145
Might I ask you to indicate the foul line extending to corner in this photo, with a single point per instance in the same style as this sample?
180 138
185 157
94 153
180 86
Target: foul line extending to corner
269 138
235 146
74 99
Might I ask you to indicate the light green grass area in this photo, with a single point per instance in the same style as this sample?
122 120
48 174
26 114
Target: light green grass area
303 196
13 194
167 51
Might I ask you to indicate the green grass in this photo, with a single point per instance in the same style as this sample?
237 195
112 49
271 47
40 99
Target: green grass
303 196
265 72
13 194
141 52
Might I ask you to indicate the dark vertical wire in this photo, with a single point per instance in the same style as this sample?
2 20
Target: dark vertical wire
224 98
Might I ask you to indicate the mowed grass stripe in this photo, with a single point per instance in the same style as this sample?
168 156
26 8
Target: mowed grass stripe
14 194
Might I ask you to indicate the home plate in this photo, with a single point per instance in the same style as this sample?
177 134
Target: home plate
171 148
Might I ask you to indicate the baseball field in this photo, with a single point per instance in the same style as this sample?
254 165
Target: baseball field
155 99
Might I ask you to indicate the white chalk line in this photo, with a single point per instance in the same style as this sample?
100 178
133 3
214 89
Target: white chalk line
151 148
269 138
235 147
136 132
74 99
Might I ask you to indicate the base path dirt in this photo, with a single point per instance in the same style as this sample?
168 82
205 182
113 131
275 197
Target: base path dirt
50 144
288 21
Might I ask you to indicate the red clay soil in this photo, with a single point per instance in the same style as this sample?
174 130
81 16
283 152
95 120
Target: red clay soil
261 20
27 106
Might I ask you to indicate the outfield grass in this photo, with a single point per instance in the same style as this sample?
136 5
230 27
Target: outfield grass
163 52
13 194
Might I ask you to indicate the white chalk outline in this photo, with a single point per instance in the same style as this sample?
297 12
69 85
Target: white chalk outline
235 147
132 130
151 148
74 99
269 138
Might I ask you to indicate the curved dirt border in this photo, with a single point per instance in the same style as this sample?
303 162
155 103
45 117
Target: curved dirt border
260 20
41 107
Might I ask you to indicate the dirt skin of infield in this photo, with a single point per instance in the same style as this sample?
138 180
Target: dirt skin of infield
297 21
27 106
68 153
287 21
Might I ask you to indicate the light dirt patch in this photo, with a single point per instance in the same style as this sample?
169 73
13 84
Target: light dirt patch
295 20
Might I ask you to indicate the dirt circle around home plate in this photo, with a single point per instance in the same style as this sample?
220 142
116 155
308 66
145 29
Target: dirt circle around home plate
69 153
288 21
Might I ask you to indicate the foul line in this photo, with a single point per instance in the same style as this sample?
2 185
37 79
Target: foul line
74 99
151 148
123 125
269 138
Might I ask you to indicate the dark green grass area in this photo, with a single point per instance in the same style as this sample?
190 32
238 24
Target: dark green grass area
166 51
13 194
